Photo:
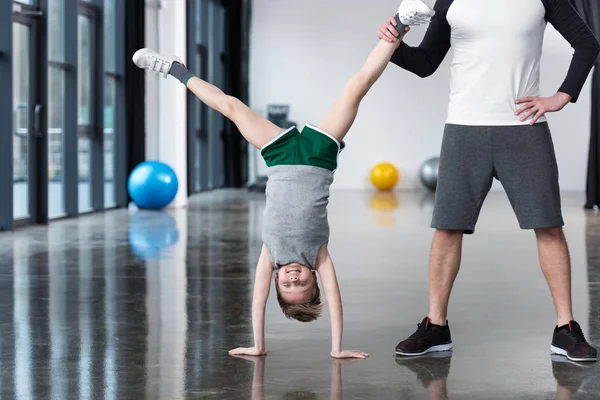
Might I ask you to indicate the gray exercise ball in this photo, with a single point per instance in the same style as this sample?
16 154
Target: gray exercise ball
429 172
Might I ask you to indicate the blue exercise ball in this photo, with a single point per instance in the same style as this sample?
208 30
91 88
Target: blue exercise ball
152 185
151 234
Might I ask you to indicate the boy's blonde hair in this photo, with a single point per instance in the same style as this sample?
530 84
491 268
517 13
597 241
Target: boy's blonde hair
303 312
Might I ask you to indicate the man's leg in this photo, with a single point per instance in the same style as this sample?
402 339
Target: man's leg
556 265
255 128
526 165
527 169
444 263
341 116
461 189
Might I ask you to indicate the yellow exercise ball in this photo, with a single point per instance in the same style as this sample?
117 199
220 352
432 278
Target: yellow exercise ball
384 176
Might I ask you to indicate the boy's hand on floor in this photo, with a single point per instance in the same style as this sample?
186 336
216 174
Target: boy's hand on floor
247 351
349 354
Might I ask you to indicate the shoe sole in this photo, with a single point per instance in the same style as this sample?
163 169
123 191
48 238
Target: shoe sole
558 350
560 359
436 355
441 347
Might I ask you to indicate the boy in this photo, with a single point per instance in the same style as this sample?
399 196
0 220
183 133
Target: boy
301 167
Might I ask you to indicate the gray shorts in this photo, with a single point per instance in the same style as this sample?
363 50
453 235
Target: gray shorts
521 157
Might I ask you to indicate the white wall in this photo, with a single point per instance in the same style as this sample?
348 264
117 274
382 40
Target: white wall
302 52
166 107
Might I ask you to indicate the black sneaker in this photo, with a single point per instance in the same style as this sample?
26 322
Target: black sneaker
568 340
428 338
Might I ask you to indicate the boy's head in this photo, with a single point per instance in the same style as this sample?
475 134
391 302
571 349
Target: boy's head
298 293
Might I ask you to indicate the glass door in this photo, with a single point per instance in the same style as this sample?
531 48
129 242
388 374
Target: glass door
198 132
206 128
89 115
26 117
85 110
216 75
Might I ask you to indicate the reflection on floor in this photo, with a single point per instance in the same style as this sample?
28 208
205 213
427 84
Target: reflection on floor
145 306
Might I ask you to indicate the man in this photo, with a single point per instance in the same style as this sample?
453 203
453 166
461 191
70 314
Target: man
496 128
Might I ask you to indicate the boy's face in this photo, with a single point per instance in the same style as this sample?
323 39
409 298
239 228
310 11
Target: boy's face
296 283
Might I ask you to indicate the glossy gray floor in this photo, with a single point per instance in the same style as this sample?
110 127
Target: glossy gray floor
145 306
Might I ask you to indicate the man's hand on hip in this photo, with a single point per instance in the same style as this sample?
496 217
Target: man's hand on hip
539 106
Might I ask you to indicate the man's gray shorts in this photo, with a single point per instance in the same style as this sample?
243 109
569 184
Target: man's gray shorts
521 157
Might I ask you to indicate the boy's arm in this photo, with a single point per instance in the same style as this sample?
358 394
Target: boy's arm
334 301
262 286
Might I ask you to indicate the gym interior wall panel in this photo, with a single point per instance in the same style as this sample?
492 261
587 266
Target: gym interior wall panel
120 118
193 134
237 64
41 172
71 176
135 109
165 99
97 145
6 116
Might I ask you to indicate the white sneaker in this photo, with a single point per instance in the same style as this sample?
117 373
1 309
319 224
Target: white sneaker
414 12
154 62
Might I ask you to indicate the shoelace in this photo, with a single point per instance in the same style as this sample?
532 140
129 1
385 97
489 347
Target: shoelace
163 63
421 332
412 17
578 337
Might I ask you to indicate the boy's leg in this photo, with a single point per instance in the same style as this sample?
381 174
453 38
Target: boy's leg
255 128
340 117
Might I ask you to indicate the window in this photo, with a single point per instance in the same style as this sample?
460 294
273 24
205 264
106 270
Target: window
56 105
110 100
66 102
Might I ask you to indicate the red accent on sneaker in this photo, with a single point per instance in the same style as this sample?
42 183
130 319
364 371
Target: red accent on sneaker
427 323
570 329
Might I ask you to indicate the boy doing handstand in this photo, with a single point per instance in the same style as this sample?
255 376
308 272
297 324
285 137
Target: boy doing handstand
301 165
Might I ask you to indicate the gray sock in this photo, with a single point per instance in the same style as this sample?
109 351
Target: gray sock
399 27
180 72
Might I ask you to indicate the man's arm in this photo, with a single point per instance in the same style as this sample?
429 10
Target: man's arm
566 20
334 301
262 286
425 59
562 15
